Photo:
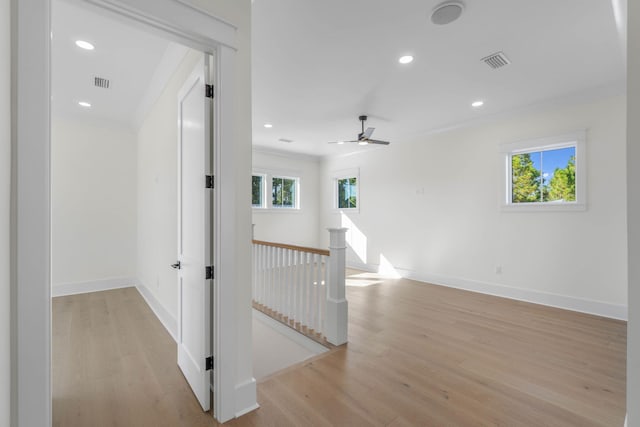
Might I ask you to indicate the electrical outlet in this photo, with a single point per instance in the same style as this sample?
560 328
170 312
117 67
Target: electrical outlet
498 269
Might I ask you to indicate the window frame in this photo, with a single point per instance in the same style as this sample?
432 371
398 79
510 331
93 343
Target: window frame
296 201
267 195
346 174
575 139
263 193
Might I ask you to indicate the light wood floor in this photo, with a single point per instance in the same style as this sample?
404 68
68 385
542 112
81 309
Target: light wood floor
417 355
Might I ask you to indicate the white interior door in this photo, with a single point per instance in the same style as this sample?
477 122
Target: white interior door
194 232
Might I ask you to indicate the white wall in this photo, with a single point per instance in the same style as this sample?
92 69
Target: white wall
157 148
296 227
5 179
430 206
93 202
633 214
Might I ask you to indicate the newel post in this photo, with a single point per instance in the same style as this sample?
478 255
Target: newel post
337 315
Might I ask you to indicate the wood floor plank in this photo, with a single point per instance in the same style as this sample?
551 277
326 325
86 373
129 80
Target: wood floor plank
418 355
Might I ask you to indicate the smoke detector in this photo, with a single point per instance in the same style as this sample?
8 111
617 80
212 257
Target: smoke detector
447 12
496 60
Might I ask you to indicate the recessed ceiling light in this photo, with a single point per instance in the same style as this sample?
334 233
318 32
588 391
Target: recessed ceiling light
84 104
405 59
84 45
268 125
477 104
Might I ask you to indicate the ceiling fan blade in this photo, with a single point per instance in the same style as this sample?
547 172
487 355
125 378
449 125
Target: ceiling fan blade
375 141
341 142
367 133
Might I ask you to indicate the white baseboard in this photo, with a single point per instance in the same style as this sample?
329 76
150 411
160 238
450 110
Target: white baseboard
65 289
169 322
362 266
582 305
246 397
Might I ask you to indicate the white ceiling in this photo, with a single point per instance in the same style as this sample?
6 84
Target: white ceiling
126 56
317 65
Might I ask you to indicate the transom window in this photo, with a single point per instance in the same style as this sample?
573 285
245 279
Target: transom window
545 173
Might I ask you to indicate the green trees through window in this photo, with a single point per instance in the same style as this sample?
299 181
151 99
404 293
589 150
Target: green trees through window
347 193
544 176
257 182
283 192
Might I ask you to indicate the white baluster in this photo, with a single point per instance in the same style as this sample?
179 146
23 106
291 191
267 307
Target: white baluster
289 296
316 294
270 251
299 287
254 276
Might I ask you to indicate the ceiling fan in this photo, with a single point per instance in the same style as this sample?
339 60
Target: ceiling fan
364 138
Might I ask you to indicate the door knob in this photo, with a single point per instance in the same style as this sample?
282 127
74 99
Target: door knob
177 265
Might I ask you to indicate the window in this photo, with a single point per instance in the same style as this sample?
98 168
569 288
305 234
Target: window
347 193
284 192
545 173
257 191
283 186
346 190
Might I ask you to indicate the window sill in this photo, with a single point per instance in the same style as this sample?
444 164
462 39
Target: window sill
345 211
277 210
545 207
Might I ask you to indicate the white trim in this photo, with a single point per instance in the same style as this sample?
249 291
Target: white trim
179 20
246 400
75 288
169 321
598 308
357 265
30 214
263 191
290 333
268 175
575 139
170 61
343 174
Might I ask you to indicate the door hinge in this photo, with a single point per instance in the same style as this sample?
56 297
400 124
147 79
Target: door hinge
209 363
210 181
209 273
209 91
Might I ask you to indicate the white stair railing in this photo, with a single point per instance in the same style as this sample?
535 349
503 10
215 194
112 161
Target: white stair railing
303 287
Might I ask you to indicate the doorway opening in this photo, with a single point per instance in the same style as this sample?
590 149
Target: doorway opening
131 144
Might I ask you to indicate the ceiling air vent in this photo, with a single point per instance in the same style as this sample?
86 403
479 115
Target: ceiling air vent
100 82
496 60
288 141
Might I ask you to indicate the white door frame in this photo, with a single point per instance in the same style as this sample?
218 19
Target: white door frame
30 204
